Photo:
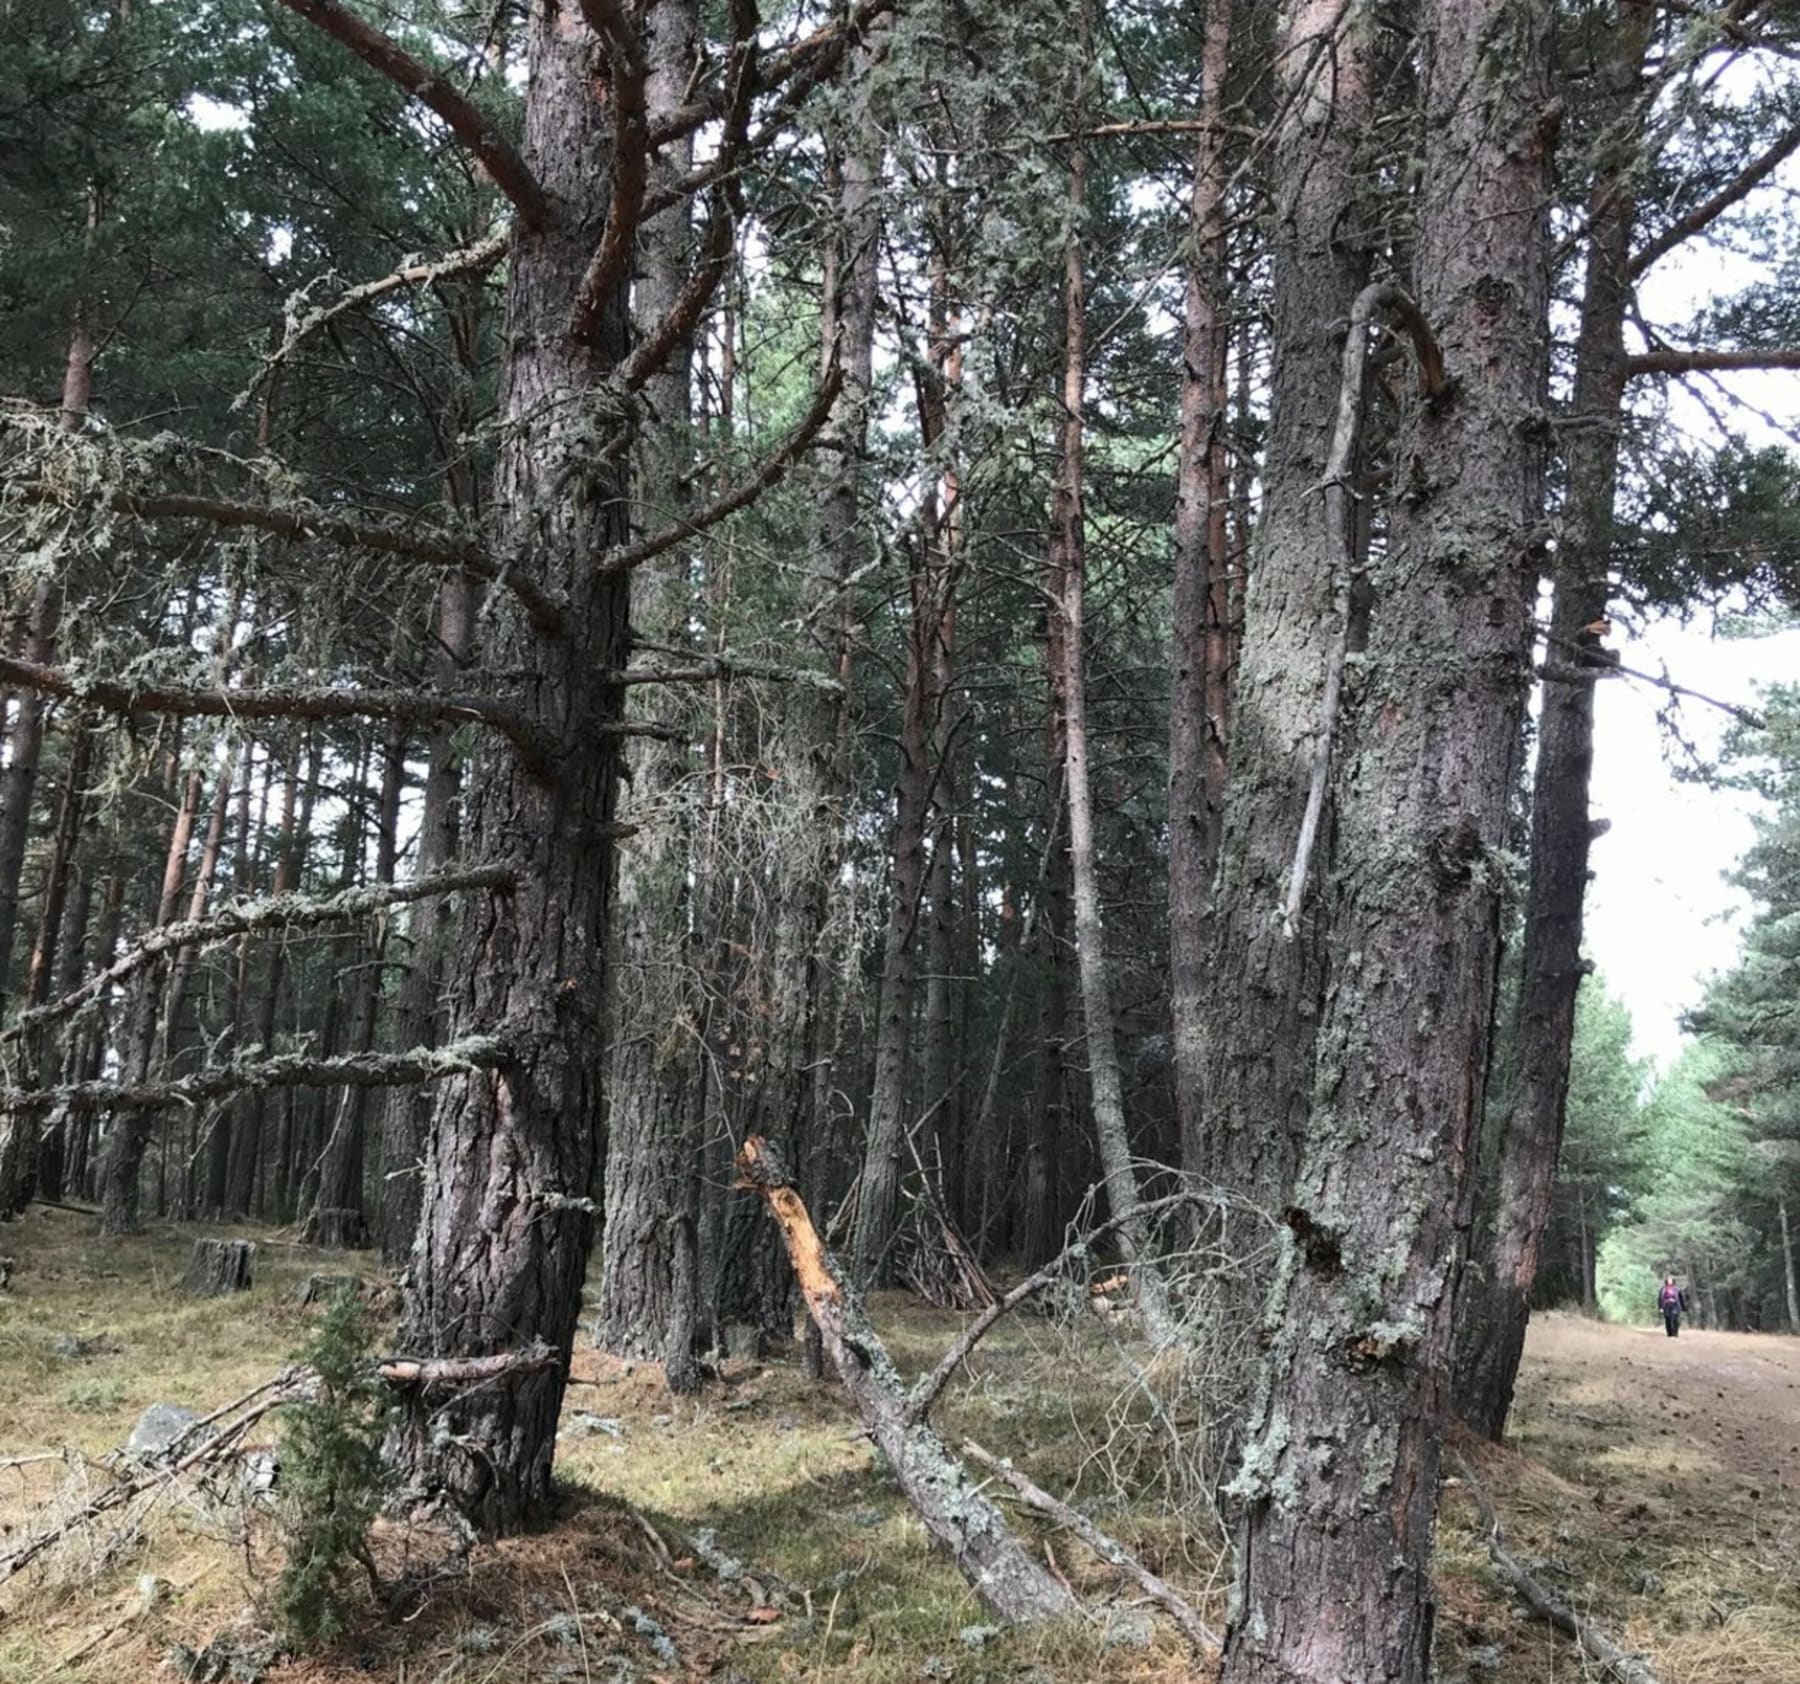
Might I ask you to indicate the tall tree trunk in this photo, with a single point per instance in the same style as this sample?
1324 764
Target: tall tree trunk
1262 988
656 1012
1787 1267
1066 587
1200 693
1497 1296
512 1153
1339 1478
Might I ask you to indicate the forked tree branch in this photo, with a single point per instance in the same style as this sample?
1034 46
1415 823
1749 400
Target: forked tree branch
467 121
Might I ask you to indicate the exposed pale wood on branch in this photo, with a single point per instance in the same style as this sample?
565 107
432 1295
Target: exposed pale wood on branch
465 1371
1110 1550
467 121
771 473
955 1510
416 706
1617 1664
278 912
286 1070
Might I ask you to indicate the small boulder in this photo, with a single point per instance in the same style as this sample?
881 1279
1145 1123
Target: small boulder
157 1429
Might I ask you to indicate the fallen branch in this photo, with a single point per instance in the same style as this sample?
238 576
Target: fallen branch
1110 1550
278 912
288 1070
1595 1644
955 1509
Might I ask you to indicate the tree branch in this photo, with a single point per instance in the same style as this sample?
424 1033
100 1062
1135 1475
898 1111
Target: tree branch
710 668
303 521
631 165
278 912
1707 362
286 1070
771 473
1110 1550
472 126
416 706
1751 176
466 1371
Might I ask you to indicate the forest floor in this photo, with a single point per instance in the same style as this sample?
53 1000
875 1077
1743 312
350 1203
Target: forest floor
1650 1482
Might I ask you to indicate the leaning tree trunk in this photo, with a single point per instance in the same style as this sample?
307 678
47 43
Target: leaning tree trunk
1497 1295
1339 1477
512 1154
1262 988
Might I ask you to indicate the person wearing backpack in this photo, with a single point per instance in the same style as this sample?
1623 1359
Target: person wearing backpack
1671 1301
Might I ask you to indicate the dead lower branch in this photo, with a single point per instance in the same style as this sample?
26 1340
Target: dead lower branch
278 912
1110 1550
286 1070
610 20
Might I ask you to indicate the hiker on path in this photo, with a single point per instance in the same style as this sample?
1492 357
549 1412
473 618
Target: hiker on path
1671 1300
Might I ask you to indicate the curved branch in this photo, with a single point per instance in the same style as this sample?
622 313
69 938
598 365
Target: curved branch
286 1070
283 912
415 706
471 125
771 473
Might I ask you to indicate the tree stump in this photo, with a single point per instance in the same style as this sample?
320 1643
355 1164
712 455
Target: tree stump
317 1289
219 1267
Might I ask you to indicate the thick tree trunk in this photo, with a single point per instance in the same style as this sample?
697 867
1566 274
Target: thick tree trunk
1200 691
1497 1295
1261 991
656 1012
1339 1477
512 1154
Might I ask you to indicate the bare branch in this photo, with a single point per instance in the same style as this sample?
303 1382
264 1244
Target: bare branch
286 1070
416 706
1707 362
710 668
305 521
466 1371
771 473
278 912
472 126
1751 176
1110 1550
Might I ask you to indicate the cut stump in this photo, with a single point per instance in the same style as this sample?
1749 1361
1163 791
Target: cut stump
219 1267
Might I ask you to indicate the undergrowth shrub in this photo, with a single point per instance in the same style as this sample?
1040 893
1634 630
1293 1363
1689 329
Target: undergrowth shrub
332 1478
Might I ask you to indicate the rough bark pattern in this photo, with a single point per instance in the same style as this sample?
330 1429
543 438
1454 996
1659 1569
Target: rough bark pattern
651 1137
1200 690
512 1154
1497 1294
219 1267
1261 990
1339 1478
957 1513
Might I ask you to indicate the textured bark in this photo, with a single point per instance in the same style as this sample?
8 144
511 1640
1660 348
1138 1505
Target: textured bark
1200 690
652 1137
1066 584
1496 1302
1261 990
512 1155
219 1267
1339 1477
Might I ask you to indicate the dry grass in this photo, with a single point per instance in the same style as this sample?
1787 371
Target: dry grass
767 1470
